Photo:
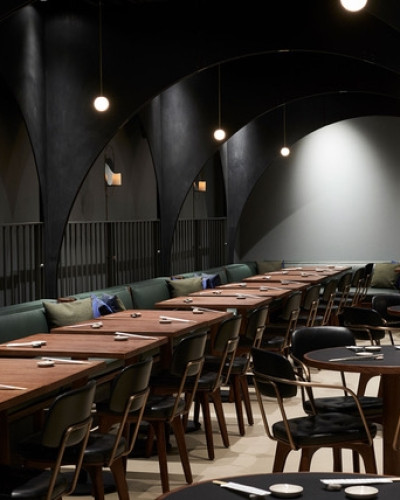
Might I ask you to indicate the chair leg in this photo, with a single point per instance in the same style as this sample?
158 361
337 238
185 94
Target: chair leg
179 432
337 460
159 428
368 455
281 453
306 456
202 398
96 477
237 397
246 398
119 476
219 410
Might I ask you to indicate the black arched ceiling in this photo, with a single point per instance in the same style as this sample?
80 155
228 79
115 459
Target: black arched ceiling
326 64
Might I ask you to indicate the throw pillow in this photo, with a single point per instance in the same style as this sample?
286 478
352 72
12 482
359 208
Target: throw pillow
266 266
113 302
385 275
67 313
184 286
210 280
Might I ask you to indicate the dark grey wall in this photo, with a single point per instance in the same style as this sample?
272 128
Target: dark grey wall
335 198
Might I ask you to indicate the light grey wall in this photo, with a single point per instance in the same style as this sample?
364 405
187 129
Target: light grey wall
336 198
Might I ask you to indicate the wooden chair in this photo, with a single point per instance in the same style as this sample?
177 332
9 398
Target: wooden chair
275 377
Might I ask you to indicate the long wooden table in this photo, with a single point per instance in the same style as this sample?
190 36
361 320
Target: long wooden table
274 293
80 346
38 385
148 322
270 286
284 277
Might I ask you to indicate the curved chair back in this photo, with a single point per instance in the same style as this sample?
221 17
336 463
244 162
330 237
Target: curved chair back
381 302
256 323
268 364
353 316
133 379
293 303
228 330
68 409
319 337
187 350
329 288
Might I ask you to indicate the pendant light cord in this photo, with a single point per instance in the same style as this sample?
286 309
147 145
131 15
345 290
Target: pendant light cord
101 47
219 96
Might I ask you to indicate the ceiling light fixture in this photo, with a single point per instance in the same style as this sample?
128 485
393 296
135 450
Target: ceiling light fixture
101 103
285 151
353 5
219 133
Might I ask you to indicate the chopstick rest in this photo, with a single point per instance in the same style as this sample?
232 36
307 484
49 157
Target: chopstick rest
250 490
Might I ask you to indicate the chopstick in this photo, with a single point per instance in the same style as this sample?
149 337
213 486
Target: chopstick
206 309
69 361
250 490
34 343
170 318
136 335
12 387
354 358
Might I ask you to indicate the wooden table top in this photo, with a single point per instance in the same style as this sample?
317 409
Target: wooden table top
270 286
81 346
394 310
275 293
37 381
284 277
148 322
214 302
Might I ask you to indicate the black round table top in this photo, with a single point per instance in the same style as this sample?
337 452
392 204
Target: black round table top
313 488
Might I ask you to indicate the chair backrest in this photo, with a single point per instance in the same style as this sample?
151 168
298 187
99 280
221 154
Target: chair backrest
191 348
329 288
132 380
319 337
68 409
228 330
68 423
268 364
344 281
381 302
353 316
256 322
292 303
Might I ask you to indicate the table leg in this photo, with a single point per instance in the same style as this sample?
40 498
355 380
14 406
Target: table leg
391 402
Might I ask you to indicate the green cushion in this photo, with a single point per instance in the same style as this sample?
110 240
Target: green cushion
21 324
67 313
384 275
146 294
266 266
237 272
184 286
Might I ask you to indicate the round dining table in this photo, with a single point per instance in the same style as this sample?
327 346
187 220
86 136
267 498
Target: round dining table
394 310
312 487
346 360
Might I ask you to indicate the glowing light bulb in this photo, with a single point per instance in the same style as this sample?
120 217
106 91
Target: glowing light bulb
353 5
101 103
219 134
285 151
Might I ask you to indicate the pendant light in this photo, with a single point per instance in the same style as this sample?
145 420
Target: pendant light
101 103
353 5
219 133
285 151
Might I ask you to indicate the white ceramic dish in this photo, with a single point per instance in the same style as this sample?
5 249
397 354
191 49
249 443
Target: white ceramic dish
363 353
361 491
373 348
286 490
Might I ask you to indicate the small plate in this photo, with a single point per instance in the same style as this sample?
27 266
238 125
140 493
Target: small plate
373 348
363 353
286 490
362 491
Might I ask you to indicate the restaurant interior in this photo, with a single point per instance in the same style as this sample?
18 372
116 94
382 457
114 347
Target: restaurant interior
225 133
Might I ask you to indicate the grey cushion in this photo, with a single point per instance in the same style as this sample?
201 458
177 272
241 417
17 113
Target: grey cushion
67 313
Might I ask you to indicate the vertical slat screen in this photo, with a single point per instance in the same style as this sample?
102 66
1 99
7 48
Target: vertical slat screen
97 255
